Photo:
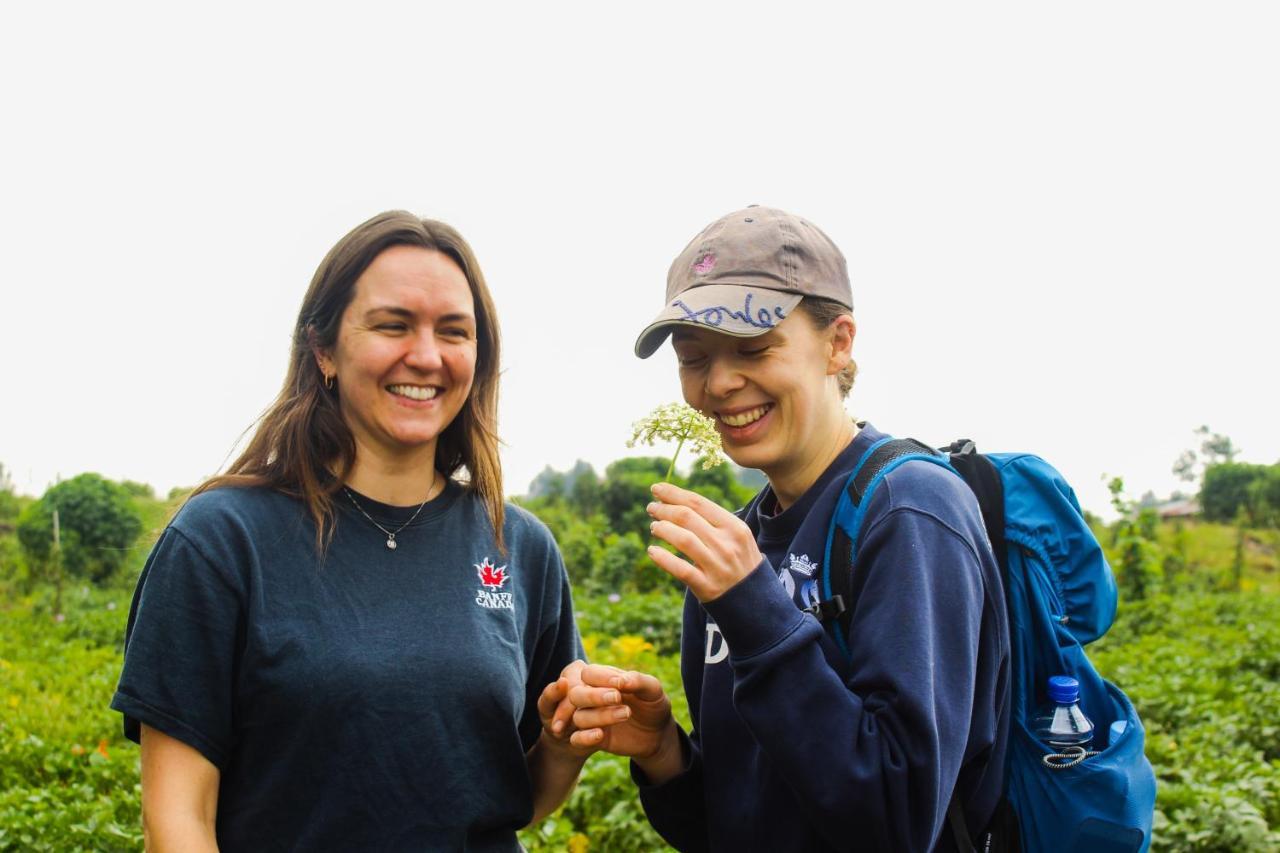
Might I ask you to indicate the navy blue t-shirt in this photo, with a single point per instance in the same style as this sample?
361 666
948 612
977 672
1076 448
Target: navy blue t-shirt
795 749
374 699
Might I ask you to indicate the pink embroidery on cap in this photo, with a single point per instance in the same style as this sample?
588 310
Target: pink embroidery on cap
705 264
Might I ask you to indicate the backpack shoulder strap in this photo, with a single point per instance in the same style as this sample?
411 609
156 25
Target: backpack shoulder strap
836 605
984 481
836 594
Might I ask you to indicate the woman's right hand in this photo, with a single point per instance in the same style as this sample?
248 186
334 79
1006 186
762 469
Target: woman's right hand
627 713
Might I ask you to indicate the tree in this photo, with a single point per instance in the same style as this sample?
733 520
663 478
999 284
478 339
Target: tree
1262 501
625 494
138 490
98 526
548 484
1226 489
9 503
1133 535
720 484
620 564
584 488
1215 449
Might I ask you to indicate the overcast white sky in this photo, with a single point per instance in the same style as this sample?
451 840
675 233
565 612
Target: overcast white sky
1062 221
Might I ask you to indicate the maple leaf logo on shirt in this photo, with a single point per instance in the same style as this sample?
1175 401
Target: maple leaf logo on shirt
491 576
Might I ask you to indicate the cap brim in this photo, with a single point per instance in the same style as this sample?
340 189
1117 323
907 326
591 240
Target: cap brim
730 309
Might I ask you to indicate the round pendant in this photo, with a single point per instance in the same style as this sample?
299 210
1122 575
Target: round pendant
391 543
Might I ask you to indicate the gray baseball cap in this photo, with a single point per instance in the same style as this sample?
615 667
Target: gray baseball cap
745 273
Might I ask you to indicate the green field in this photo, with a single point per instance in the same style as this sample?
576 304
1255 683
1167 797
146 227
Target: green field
1200 659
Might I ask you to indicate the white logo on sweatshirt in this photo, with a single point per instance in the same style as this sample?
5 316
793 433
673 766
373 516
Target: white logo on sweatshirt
801 564
717 648
788 583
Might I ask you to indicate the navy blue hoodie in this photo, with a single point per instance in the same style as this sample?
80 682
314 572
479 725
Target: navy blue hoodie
793 748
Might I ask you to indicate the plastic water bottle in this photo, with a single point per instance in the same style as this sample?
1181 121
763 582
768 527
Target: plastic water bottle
1061 724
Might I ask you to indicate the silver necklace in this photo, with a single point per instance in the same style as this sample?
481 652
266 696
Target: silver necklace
391 534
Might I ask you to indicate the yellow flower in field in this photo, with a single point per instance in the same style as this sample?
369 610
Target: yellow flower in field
578 843
13 701
629 647
679 423
4 664
590 645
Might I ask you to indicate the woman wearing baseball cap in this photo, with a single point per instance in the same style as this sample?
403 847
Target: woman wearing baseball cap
794 745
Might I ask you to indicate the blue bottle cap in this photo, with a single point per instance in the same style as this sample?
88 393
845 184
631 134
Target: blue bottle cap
1063 689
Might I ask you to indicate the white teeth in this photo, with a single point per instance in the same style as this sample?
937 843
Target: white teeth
414 392
744 418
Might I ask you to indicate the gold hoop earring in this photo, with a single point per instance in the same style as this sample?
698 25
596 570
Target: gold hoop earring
328 382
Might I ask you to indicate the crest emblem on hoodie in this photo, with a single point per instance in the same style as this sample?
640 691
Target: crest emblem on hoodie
492 580
800 564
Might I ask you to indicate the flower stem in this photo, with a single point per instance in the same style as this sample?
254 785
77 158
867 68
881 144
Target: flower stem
674 456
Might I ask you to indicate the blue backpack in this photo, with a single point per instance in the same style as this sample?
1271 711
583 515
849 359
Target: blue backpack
1060 595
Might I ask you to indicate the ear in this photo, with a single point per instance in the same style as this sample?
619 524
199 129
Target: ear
323 359
842 331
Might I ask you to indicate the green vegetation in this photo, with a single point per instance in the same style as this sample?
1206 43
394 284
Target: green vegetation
82 528
1196 646
601 523
1203 670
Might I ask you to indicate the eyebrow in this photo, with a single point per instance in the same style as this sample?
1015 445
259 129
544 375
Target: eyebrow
397 311
389 309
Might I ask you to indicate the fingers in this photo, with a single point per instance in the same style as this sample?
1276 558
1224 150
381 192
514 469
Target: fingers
588 738
602 675
710 511
682 516
680 569
585 719
554 707
645 687
552 695
642 686
562 716
685 541
583 696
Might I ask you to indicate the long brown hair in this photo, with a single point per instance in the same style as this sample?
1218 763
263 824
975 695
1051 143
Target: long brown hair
302 446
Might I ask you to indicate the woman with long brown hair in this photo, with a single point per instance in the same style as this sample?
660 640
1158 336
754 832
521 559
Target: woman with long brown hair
342 642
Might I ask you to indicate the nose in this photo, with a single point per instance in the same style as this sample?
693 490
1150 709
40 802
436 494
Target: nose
424 351
723 377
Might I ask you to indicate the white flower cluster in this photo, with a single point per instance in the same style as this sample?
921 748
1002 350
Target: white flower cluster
681 424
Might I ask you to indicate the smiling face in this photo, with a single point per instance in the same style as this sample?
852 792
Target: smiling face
405 356
775 397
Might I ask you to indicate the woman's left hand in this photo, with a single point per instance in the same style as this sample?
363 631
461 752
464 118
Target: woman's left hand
720 548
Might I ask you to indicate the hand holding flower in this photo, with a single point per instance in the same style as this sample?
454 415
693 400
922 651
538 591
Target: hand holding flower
720 548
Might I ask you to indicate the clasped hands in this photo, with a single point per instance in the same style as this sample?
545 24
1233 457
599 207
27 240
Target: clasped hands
596 707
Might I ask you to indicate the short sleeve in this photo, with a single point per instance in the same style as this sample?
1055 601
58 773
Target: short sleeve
182 648
558 644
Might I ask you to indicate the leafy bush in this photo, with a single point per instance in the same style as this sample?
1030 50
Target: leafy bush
654 616
98 521
1230 487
